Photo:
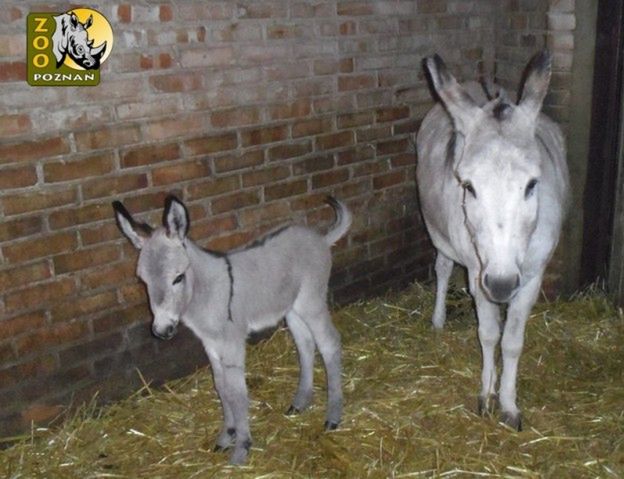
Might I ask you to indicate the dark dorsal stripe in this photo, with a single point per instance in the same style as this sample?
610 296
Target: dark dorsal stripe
228 263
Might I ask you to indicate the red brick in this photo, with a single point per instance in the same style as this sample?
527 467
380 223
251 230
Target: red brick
39 295
214 226
17 177
170 174
273 212
23 275
21 372
231 241
311 127
56 171
331 66
350 120
355 155
120 319
100 233
32 150
313 164
356 8
431 6
213 187
14 124
283 190
392 146
389 179
334 140
369 135
174 127
322 180
124 13
80 215
108 137
113 186
21 324
283 152
235 117
392 113
51 336
356 82
244 160
165 13
177 82
11 230
265 175
40 247
207 57
87 258
12 71
235 201
211 144
147 155
73 308
296 109
262 136
38 201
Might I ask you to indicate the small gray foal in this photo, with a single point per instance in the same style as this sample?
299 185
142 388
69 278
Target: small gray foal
223 297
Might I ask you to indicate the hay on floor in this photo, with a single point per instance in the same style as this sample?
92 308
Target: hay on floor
410 402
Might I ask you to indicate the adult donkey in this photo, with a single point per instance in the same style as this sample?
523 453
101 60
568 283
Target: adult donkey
493 184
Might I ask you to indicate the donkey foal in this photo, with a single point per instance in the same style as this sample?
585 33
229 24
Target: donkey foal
223 298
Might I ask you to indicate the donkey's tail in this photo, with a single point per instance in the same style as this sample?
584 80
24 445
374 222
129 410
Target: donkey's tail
343 220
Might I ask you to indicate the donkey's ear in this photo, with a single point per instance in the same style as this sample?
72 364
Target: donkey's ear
137 233
535 86
457 101
175 218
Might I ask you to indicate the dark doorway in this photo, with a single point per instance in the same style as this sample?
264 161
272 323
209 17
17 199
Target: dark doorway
604 149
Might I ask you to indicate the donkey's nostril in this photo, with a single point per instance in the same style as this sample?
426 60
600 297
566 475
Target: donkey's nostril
169 331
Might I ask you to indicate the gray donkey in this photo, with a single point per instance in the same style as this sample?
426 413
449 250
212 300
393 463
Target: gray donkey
223 297
493 185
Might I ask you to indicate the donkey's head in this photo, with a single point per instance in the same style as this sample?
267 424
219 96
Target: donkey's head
495 157
163 264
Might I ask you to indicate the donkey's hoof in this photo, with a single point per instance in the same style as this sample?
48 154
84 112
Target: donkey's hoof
487 404
331 425
225 440
513 420
292 411
240 453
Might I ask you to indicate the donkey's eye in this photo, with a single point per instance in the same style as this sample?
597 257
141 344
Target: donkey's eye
530 188
467 186
178 279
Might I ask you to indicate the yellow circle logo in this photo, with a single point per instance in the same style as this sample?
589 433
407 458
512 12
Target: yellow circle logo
83 39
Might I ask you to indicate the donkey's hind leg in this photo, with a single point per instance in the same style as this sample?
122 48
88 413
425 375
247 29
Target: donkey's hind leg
305 349
443 269
327 340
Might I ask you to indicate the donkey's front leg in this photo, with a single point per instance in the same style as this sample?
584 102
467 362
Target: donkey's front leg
226 437
513 341
443 270
488 315
233 362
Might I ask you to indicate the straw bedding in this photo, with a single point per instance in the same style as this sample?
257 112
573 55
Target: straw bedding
410 402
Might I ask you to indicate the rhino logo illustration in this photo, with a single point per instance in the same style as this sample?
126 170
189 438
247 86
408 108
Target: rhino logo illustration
72 39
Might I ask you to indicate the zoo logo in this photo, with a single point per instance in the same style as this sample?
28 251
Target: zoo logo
67 49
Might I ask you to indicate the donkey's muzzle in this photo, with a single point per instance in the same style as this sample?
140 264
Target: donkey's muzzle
166 333
500 289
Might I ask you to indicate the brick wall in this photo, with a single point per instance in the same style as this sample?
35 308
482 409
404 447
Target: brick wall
250 111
